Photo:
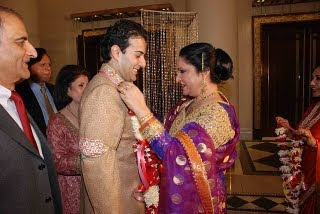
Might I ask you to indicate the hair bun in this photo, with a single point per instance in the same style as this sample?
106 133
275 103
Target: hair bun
222 73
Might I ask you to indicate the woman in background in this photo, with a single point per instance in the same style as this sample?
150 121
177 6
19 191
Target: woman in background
198 141
62 134
309 130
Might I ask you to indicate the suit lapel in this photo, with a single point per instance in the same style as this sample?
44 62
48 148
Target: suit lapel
9 126
41 137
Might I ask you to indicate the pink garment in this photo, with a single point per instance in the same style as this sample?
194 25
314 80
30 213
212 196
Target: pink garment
64 140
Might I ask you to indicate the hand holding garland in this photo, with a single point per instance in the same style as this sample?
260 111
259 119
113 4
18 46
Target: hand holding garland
282 122
306 136
300 133
134 99
149 164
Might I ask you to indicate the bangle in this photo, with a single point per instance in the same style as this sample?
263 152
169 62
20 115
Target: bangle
146 124
145 118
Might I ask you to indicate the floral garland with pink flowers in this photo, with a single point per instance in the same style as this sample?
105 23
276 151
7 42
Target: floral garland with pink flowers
149 166
290 156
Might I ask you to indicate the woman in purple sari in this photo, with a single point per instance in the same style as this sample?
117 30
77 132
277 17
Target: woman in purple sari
198 141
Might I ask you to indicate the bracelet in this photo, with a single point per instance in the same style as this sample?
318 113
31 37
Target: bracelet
145 118
146 124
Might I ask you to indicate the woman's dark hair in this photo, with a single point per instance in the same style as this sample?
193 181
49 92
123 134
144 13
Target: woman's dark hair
119 34
203 56
41 52
65 77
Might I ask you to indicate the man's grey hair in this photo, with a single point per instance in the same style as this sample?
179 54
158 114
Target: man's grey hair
6 11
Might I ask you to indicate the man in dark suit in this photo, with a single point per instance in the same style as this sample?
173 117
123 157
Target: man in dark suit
28 181
36 92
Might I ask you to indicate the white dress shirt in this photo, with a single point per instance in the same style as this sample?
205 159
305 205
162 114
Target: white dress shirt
10 107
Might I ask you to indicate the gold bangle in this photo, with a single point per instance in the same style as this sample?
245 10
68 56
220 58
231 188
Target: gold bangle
146 124
145 118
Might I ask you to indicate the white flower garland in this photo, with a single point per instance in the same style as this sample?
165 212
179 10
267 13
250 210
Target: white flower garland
290 157
151 195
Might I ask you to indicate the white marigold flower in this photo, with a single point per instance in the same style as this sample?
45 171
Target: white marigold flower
282 153
296 194
135 126
292 210
285 161
151 196
285 169
279 131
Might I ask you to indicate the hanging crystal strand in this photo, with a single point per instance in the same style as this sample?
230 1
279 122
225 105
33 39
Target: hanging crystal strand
171 82
168 33
153 81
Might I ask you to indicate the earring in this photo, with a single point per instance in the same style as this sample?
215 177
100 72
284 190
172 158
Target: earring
203 90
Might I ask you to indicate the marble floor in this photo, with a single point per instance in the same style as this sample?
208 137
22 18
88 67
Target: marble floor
254 184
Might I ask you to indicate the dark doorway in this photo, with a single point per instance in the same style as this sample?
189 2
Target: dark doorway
89 53
289 53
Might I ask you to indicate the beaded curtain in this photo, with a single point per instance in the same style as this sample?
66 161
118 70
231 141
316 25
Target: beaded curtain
168 33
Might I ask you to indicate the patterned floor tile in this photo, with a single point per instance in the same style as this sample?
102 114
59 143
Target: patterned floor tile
272 160
256 204
266 146
259 158
265 203
235 202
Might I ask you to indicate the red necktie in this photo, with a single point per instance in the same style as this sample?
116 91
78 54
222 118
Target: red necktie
15 97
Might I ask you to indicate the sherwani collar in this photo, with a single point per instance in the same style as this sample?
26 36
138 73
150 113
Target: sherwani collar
111 73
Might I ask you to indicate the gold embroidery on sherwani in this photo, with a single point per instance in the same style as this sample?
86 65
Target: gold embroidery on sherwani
110 178
91 147
111 74
212 117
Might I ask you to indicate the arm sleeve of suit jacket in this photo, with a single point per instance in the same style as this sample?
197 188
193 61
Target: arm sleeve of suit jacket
101 127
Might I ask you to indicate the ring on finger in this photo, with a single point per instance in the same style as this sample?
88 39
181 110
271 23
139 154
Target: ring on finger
122 90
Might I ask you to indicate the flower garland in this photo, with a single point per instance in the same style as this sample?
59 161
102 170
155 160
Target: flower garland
290 157
149 166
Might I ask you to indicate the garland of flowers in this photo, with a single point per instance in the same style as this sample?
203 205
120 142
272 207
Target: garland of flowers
290 157
149 167
149 164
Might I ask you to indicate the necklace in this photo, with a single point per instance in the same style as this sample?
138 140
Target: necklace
196 102
71 112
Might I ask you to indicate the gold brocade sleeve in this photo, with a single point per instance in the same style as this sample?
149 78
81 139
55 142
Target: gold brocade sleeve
213 118
152 130
101 125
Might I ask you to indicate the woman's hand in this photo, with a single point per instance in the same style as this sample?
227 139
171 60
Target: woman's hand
307 135
283 123
133 98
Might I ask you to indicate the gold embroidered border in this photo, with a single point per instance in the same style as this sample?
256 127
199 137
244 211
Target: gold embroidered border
152 130
308 122
198 169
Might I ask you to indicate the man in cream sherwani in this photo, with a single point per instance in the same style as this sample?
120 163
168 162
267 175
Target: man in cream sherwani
106 138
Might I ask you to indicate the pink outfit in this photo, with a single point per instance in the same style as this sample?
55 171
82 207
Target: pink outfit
64 140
